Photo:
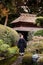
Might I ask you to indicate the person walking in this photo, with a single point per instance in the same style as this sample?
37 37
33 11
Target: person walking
22 45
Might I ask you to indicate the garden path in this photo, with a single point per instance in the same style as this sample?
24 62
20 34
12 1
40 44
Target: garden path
18 61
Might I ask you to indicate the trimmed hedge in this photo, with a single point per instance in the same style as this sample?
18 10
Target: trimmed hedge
8 35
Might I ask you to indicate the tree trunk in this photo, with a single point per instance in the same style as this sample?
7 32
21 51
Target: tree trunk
6 20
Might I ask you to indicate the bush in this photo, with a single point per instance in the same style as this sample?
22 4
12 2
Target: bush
1 42
8 35
39 33
36 45
4 47
27 59
11 51
39 21
7 51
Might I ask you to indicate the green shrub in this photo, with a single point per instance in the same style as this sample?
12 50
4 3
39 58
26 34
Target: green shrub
1 42
39 21
8 35
39 33
4 47
11 51
7 51
27 59
34 45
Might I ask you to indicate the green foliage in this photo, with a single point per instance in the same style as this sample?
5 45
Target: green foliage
11 51
4 47
36 45
8 38
27 59
39 21
39 33
6 51
7 8
1 42
8 35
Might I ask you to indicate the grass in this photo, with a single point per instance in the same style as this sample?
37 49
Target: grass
9 61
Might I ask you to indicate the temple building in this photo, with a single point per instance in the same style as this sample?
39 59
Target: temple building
24 23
